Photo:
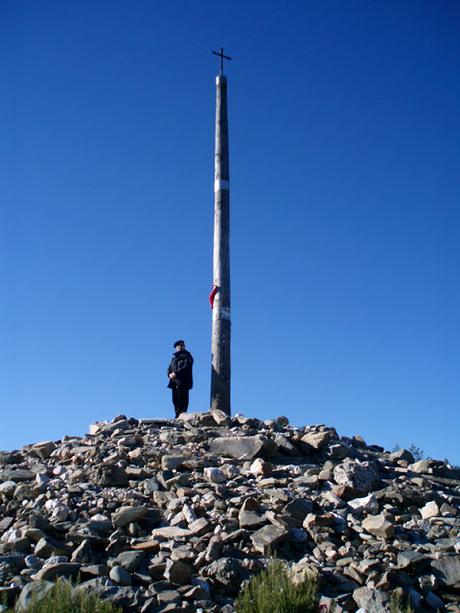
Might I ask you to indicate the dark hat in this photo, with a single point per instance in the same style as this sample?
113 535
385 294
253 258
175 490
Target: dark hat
181 342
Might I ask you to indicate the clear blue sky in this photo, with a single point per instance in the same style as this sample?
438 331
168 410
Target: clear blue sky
345 187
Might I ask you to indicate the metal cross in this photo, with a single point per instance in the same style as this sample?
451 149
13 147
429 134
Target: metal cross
222 56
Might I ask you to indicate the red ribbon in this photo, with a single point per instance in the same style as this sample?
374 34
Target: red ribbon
212 295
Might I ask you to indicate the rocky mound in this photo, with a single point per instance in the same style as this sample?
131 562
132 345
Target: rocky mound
160 515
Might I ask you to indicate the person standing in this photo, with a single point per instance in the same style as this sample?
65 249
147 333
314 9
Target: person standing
180 377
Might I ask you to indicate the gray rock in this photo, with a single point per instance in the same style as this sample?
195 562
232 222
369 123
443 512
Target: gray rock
317 440
56 560
13 561
11 457
42 479
422 466
197 419
214 549
112 476
127 515
367 503
100 524
402 454
250 515
117 595
130 560
171 532
285 445
83 553
360 476
448 570
16 474
266 539
119 424
128 441
243 447
228 573
188 513
221 418
200 526
431 509
169 597
172 462
51 572
214 475
120 575
371 600
47 547
151 485
260 467
378 525
33 562
177 572
299 508
33 592
282 421
6 522
338 451
44 449
411 559
7 488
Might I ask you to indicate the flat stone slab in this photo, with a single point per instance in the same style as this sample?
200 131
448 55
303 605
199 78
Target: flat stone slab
268 537
317 440
127 515
378 525
16 474
360 476
61 569
147 546
6 523
448 570
171 532
198 419
172 462
242 447
44 449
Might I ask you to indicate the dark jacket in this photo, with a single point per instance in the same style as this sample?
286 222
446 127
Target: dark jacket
181 364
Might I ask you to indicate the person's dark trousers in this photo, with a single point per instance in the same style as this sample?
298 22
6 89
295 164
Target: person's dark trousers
180 400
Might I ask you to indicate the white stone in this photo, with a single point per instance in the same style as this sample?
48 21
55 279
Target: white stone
188 513
94 428
42 479
259 467
366 503
431 509
171 532
214 475
7 487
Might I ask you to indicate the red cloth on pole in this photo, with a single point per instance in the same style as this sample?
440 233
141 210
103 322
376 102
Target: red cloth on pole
212 295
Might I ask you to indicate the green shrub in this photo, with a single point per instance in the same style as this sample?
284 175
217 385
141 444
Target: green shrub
417 452
61 599
272 591
399 603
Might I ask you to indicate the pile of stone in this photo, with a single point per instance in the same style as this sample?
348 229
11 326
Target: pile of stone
163 516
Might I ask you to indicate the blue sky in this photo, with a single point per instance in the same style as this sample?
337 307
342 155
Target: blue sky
345 182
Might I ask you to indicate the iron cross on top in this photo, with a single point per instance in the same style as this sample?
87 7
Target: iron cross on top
222 56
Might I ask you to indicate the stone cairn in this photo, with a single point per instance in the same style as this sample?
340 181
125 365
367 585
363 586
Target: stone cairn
173 515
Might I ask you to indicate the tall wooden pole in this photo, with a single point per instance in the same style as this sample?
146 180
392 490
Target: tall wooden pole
221 322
